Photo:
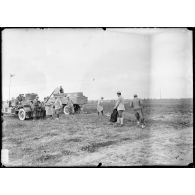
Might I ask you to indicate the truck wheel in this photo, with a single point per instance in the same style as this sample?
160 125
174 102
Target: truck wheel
22 114
66 110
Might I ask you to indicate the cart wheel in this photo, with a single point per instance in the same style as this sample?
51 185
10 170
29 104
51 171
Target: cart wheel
22 114
66 110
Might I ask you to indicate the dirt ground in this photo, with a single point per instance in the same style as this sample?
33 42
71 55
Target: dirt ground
86 140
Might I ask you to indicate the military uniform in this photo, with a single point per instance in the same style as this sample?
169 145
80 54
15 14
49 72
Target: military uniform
61 90
42 110
100 107
57 105
36 109
120 106
137 105
70 105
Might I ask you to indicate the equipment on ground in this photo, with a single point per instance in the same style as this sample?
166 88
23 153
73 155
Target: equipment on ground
114 115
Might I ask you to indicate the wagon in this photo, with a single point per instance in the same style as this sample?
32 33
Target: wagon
77 98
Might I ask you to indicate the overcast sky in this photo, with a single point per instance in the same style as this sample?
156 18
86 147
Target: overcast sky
97 62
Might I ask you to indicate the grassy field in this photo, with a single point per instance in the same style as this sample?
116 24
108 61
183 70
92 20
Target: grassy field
86 140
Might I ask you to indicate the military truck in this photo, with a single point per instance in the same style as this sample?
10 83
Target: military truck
77 98
21 106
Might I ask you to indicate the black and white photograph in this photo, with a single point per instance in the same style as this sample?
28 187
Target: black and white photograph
89 97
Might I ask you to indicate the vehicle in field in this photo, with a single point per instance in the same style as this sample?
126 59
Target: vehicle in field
21 106
77 98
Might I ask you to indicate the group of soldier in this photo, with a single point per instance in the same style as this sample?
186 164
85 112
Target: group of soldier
58 106
137 105
119 109
38 109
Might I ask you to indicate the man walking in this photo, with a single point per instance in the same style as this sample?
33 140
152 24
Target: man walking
137 105
120 106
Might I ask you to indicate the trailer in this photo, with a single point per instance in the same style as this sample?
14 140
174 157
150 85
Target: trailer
77 98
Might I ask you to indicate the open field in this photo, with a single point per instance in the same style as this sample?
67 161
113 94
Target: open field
86 140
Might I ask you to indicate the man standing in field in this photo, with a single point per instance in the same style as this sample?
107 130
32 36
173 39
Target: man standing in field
35 106
57 105
100 108
120 106
70 105
137 105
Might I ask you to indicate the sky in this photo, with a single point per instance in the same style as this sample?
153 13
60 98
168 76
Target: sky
98 62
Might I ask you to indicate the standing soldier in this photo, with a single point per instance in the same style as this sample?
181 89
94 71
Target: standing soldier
61 89
42 110
120 106
137 105
100 107
36 104
70 105
58 106
58 90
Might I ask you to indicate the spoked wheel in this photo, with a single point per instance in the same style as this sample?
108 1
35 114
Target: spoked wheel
66 110
22 114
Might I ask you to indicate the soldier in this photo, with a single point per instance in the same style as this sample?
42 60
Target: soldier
137 105
58 90
19 99
100 108
57 106
70 105
120 106
36 106
42 110
61 89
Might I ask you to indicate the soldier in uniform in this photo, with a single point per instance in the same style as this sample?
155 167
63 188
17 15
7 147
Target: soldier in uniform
120 106
57 105
42 110
137 105
36 107
61 89
19 99
58 90
70 105
100 108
